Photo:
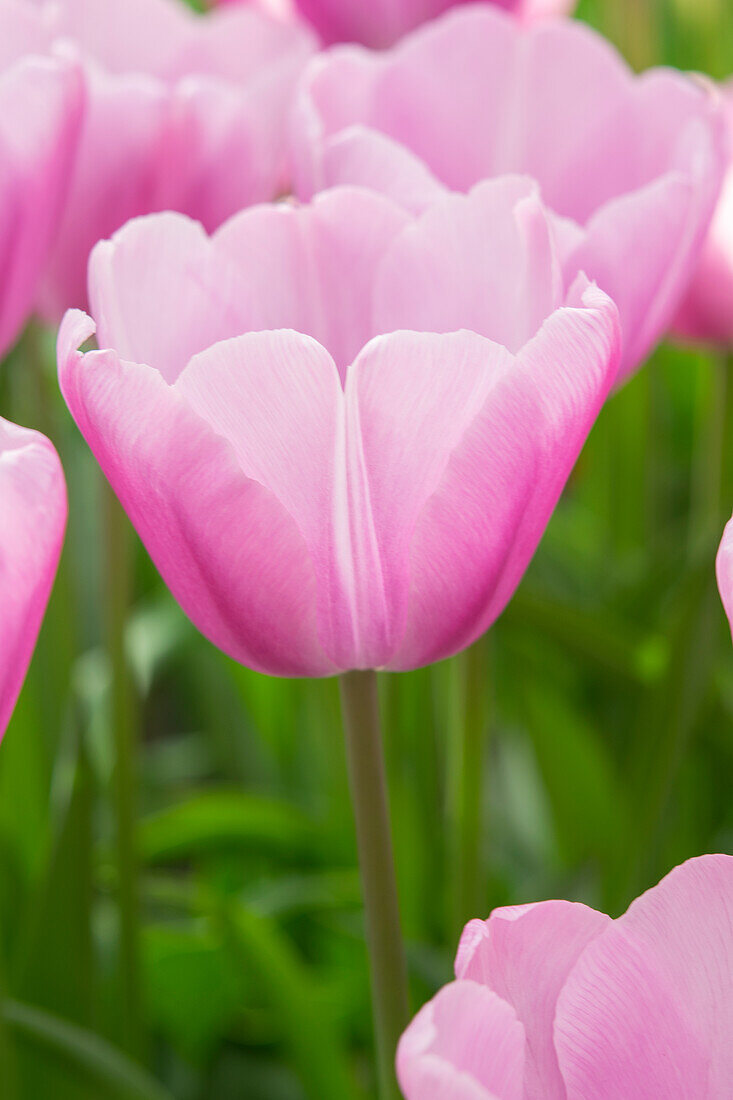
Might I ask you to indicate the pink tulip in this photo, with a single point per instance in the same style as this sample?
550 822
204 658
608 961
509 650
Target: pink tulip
707 312
33 510
381 23
40 113
724 570
631 165
327 467
185 112
555 1001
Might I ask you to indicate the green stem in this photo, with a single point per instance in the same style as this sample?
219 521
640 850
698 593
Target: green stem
367 780
9 1075
465 812
118 584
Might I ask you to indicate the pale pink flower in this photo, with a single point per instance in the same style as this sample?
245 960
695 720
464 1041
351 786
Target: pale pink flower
724 571
40 114
33 511
707 311
184 112
380 23
339 429
631 165
556 1001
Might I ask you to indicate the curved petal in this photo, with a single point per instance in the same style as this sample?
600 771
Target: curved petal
724 570
524 955
499 483
33 509
465 1044
229 551
484 262
163 292
40 114
648 1008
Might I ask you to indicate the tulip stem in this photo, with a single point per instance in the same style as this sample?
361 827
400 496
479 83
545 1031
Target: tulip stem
123 717
367 780
468 753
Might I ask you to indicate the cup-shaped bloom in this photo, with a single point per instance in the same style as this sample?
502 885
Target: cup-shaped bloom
706 314
631 165
556 1001
184 112
382 22
33 510
40 114
339 429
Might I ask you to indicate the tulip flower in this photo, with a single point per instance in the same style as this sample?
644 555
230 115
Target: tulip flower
340 429
184 112
40 114
706 314
33 510
556 1001
631 166
724 571
382 22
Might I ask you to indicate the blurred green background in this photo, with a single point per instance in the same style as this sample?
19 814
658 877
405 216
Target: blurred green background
179 897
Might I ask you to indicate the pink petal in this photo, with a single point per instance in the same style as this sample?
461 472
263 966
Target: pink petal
724 570
525 955
229 551
648 1009
465 1044
163 292
40 113
637 162
33 509
483 262
190 116
500 479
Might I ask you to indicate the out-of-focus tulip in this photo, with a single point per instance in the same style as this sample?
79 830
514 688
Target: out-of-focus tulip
381 23
184 112
33 511
40 114
558 1002
631 165
339 429
724 571
707 311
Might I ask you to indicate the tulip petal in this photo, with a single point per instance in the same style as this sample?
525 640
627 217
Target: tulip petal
478 530
40 114
483 262
271 267
465 1044
724 571
648 1008
230 553
33 509
524 955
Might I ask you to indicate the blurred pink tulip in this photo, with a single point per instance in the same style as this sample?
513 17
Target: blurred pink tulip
40 114
329 470
381 23
724 570
33 510
707 312
555 1001
631 165
185 112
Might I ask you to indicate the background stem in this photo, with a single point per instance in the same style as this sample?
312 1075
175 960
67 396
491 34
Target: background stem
367 780
123 716
466 811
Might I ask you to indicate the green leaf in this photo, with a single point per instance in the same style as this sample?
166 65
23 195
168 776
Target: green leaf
216 820
91 1056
